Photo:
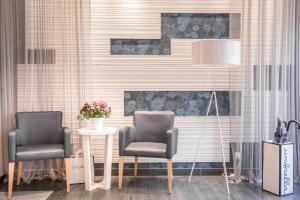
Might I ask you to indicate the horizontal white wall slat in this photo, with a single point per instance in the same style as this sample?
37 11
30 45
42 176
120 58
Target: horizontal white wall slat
108 76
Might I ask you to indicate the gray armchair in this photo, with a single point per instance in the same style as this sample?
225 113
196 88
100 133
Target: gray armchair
153 135
38 136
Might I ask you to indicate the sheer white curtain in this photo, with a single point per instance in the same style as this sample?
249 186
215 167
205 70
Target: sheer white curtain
52 78
268 49
296 114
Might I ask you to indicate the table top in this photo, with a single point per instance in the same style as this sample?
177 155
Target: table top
89 131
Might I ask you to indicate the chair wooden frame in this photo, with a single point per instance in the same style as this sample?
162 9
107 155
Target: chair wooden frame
121 169
11 169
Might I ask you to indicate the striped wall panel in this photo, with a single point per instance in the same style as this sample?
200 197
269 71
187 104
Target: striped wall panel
107 76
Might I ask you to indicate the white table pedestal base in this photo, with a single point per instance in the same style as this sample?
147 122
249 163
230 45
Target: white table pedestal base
90 184
100 185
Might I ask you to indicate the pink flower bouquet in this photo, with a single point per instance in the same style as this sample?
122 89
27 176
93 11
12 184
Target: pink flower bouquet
95 109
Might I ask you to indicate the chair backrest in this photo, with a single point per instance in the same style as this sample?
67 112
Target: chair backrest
151 126
39 128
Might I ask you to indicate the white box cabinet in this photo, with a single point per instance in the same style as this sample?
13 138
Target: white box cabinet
278 168
77 169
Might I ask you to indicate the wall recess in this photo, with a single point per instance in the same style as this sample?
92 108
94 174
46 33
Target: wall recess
180 26
182 103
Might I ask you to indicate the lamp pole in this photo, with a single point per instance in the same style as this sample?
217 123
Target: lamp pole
213 96
215 51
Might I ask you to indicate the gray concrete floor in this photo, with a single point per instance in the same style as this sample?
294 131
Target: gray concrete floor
153 188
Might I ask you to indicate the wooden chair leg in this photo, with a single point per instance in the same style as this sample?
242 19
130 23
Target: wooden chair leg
20 168
121 163
67 166
135 165
58 167
170 175
11 168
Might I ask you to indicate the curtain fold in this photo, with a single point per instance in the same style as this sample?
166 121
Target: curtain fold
8 60
267 43
53 73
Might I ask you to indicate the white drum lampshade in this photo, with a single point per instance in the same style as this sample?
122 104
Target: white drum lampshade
216 51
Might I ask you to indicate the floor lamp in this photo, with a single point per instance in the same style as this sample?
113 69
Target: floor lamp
215 51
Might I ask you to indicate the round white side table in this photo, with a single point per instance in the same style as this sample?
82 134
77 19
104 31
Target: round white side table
86 133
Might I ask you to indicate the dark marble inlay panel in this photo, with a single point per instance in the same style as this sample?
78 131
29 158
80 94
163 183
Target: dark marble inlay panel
194 25
140 47
182 103
176 165
180 26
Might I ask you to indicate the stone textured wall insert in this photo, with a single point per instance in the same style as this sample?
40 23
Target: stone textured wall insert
180 26
182 103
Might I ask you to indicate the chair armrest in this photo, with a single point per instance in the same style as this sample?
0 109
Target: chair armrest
12 144
67 142
172 138
126 136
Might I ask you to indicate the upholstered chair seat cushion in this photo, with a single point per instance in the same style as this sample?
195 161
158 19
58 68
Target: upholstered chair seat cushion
40 152
146 149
